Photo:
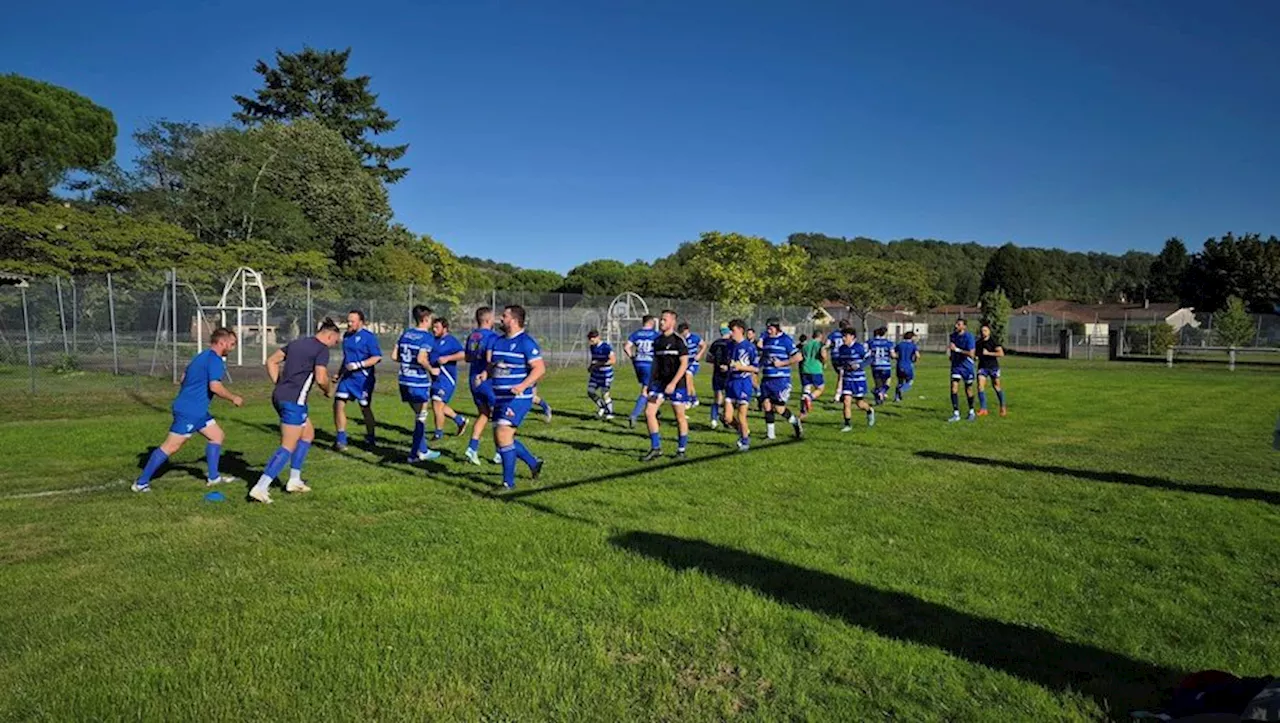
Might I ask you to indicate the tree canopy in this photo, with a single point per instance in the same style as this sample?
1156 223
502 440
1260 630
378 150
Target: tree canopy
45 132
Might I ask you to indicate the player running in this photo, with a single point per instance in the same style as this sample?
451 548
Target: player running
478 344
360 354
780 354
639 348
413 354
881 351
718 356
850 359
668 382
445 355
743 360
907 354
812 380
697 348
294 369
961 349
989 353
515 366
600 374
201 382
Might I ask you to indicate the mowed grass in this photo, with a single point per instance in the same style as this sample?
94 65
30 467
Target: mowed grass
1064 563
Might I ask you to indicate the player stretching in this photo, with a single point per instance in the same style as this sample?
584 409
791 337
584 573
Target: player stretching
850 358
668 382
201 382
515 367
812 380
413 353
881 351
989 353
478 343
743 359
697 348
639 347
961 350
718 356
907 354
445 356
360 354
780 354
600 374
294 369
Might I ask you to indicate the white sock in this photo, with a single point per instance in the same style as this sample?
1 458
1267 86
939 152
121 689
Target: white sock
295 475
769 428
264 484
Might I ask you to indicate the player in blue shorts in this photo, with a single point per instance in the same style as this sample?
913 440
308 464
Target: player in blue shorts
881 351
962 354
718 357
989 353
600 374
743 368
515 366
301 364
477 348
779 355
850 360
444 358
668 383
907 354
639 348
697 349
834 339
413 353
201 382
360 354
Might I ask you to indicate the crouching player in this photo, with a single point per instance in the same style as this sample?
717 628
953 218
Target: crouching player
201 382
600 374
850 358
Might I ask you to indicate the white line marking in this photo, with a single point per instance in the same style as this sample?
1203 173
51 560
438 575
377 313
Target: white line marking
72 491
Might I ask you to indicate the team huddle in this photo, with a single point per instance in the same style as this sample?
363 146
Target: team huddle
504 367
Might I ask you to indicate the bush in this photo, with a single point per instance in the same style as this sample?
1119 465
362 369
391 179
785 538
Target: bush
66 364
1150 339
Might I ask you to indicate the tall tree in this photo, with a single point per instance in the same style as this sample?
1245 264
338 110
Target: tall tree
864 284
995 312
1245 266
1013 270
734 268
45 132
1234 326
314 84
1167 271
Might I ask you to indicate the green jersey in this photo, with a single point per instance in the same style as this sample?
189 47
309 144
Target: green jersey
811 351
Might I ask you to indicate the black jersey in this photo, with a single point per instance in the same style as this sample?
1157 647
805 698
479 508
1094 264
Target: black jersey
718 355
986 353
667 350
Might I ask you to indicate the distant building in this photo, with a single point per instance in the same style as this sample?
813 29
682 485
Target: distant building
1093 321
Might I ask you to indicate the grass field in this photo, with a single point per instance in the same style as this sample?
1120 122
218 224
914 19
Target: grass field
1065 563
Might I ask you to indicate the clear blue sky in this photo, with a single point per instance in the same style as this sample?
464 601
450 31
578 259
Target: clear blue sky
549 132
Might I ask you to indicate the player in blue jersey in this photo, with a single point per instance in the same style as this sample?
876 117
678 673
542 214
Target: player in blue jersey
600 374
360 354
201 382
881 352
413 354
744 361
907 353
445 355
779 355
697 349
477 347
989 354
850 361
668 382
515 366
961 350
834 339
639 348
300 365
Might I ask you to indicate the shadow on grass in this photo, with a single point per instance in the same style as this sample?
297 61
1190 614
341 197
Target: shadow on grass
231 463
1123 478
1118 683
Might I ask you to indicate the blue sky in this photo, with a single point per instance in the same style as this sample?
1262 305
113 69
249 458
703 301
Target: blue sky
548 133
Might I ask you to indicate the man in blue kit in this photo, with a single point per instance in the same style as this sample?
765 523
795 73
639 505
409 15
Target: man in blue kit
743 361
639 347
881 352
907 353
201 382
301 364
360 354
961 350
413 354
778 356
600 374
445 355
850 359
478 344
515 366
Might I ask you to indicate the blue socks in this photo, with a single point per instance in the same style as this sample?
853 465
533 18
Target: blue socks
460 420
474 445
546 408
524 455
508 455
212 454
955 402
342 436
437 435
640 402
276 464
419 438
682 442
655 441
982 399
300 454
154 462
1000 396
715 412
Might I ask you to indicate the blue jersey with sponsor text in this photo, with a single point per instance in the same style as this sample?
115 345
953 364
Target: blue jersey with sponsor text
743 352
357 346
601 369
777 348
851 361
642 340
412 341
881 352
510 361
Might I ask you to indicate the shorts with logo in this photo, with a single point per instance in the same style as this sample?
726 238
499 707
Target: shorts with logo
776 389
187 424
853 387
357 388
511 411
415 395
989 373
291 413
962 372
679 396
443 387
740 390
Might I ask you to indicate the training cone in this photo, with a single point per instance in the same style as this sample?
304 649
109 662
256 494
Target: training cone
215 496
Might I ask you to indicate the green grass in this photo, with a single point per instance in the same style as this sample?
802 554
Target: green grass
1061 564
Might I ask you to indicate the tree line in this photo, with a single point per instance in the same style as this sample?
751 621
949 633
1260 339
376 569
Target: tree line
295 184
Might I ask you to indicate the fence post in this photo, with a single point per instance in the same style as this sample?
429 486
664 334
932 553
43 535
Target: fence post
75 317
310 316
1168 356
111 310
561 322
62 316
410 305
1231 359
173 305
26 324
